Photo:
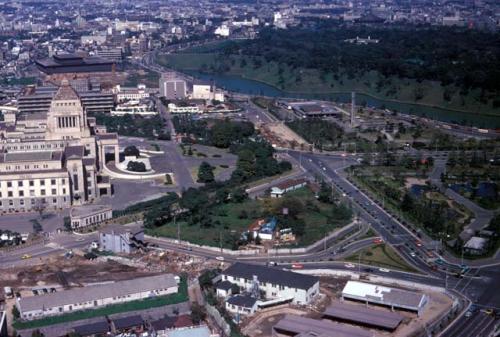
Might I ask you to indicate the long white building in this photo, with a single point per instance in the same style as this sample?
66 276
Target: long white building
92 297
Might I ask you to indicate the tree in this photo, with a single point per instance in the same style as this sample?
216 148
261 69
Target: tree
67 223
131 151
15 312
37 226
136 166
205 173
198 313
407 204
239 195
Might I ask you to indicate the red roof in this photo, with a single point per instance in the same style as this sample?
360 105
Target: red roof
290 183
183 321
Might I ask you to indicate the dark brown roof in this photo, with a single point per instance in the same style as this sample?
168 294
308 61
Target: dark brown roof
293 324
366 316
290 183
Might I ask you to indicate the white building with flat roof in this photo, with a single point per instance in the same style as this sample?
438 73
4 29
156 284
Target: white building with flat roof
391 297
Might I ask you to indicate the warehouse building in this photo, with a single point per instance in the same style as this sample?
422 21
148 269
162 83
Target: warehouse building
292 325
361 315
390 297
96 296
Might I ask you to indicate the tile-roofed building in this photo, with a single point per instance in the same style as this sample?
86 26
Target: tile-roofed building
361 315
242 304
127 322
96 328
94 296
391 297
278 190
275 283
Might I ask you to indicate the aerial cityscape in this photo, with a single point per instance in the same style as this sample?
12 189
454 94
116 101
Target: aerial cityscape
238 168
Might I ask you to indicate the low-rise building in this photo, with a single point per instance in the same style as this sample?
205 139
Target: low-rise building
476 245
390 297
121 239
95 296
241 304
181 109
89 215
293 325
280 189
273 283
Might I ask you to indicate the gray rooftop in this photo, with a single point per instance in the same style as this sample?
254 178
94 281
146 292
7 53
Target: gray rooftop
361 314
90 293
85 210
304 326
271 275
121 229
30 156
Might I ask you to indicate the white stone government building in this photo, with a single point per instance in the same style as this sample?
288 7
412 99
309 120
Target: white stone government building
53 160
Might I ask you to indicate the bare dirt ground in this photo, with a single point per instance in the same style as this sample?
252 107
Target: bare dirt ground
278 133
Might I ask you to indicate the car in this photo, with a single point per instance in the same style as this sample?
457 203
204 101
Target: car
368 270
378 240
297 266
80 239
489 311
219 258
418 243
26 256
384 270
413 254
349 265
468 314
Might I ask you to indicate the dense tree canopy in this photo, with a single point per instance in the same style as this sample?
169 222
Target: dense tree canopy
466 57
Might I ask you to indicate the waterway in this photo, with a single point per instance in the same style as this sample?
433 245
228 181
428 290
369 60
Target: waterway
251 87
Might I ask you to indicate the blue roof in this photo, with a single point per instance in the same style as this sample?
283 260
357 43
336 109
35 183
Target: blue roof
269 226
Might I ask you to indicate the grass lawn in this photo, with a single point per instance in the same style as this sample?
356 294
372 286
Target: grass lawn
233 218
154 302
381 255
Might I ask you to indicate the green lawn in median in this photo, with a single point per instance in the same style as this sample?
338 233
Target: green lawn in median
380 255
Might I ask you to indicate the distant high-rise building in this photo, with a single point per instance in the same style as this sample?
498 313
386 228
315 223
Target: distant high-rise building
172 87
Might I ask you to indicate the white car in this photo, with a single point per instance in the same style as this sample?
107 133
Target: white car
413 254
384 270
220 258
349 265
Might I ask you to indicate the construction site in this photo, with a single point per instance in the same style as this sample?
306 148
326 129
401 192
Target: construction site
371 321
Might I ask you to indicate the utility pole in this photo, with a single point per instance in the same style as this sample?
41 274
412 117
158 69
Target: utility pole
220 240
